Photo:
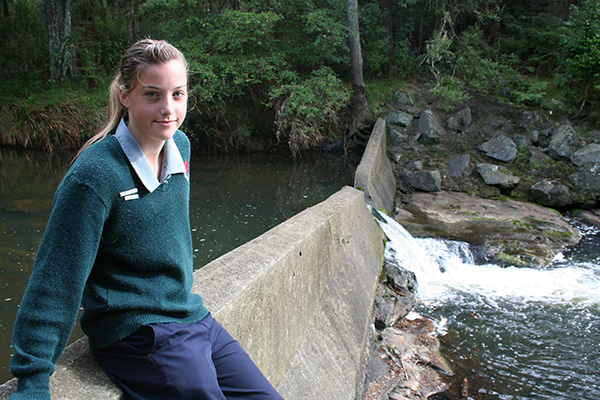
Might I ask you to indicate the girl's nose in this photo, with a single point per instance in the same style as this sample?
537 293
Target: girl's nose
167 106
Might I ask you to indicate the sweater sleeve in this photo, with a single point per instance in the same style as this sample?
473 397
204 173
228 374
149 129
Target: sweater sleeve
53 296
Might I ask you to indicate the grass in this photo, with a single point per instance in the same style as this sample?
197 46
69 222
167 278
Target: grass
381 91
50 117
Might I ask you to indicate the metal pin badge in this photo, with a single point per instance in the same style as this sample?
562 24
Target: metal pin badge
130 194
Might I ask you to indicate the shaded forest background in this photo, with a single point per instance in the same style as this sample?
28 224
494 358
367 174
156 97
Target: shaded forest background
279 71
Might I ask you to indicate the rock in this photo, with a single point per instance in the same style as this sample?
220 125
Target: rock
549 194
530 118
430 130
587 179
400 280
538 158
458 166
534 136
563 143
591 217
415 165
401 118
396 135
395 297
402 98
460 121
409 365
499 176
510 232
544 136
556 106
522 141
428 181
587 154
500 148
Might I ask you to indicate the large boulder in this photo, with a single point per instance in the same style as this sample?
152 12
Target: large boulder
587 179
587 154
401 118
460 121
458 165
550 194
563 142
395 296
396 135
428 181
495 175
507 231
430 130
500 148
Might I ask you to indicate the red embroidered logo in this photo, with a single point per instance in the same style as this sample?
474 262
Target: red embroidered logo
187 167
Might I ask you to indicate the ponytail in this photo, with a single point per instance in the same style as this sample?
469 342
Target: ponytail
116 111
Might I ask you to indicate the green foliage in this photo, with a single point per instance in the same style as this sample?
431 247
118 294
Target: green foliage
529 92
473 60
101 39
252 61
450 92
582 48
374 39
308 112
23 43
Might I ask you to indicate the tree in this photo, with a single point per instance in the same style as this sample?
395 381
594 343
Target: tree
582 44
62 53
359 101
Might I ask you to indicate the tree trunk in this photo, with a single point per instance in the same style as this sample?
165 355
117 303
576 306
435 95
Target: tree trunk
62 54
131 22
359 100
420 45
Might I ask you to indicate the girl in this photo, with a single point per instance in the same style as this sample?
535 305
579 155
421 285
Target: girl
119 242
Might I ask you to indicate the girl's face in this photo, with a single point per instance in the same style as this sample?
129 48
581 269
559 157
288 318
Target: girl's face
157 104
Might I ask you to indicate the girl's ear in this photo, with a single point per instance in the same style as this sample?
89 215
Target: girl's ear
124 97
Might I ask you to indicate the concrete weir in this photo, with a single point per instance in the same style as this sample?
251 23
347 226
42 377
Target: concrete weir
298 298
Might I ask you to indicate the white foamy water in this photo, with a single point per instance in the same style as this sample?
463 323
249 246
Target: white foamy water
445 269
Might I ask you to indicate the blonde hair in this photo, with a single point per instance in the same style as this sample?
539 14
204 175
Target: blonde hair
139 56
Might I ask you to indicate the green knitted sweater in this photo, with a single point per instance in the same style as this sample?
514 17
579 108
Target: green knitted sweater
116 248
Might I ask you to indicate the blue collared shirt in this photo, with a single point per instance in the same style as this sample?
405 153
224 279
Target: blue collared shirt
172 161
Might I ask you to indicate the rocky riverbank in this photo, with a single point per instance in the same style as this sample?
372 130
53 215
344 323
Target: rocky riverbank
492 174
498 176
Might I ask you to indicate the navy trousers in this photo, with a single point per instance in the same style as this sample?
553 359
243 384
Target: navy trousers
186 362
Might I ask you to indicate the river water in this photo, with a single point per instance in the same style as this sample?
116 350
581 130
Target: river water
233 200
514 333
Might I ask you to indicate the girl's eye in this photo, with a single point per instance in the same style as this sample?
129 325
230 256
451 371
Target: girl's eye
179 94
151 94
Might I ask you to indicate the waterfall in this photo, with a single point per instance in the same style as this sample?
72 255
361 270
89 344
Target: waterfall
446 270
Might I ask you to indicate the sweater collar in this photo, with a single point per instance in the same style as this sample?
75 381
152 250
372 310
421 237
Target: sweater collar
172 160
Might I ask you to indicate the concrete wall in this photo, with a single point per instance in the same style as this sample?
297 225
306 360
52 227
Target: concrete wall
374 174
298 298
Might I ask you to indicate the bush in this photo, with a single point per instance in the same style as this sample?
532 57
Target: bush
309 112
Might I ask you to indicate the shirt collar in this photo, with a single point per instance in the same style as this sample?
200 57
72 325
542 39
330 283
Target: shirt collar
172 160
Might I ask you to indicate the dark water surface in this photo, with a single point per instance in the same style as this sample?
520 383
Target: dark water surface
233 200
